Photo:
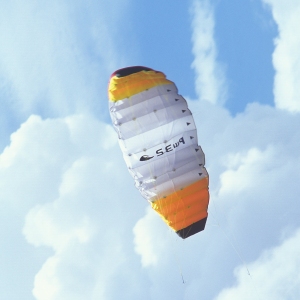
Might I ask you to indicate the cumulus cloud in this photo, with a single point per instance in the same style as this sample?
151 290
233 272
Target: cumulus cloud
65 175
252 161
67 179
210 79
150 239
286 59
275 274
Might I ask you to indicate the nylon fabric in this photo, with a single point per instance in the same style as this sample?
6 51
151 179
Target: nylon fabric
169 163
144 140
141 124
125 87
135 160
154 191
183 208
158 138
127 109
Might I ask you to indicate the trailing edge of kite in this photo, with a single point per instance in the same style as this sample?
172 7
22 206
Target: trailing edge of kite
158 138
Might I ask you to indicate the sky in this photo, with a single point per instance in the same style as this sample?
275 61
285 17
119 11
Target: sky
73 226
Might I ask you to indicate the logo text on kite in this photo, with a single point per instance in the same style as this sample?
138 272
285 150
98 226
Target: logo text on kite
161 151
170 147
145 157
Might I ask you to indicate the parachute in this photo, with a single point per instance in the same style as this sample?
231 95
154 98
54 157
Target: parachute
158 138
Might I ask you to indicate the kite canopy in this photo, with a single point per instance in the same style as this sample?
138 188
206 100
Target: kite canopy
158 138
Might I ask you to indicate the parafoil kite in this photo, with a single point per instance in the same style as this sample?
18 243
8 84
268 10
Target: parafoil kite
158 138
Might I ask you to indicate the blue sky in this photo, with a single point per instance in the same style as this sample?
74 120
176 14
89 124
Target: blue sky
244 33
72 224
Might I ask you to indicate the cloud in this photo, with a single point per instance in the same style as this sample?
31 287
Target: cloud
66 182
150 239
244 169
210 79
286 59
252 160
275 274
53 61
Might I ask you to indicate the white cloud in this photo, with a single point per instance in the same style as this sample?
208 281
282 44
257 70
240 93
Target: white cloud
67 180
55 57
286 61
43 227
67 183
210 74
274 275
32 162
243 170
38 55
254 197
150 239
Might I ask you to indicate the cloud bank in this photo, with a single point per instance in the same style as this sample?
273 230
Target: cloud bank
80 203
